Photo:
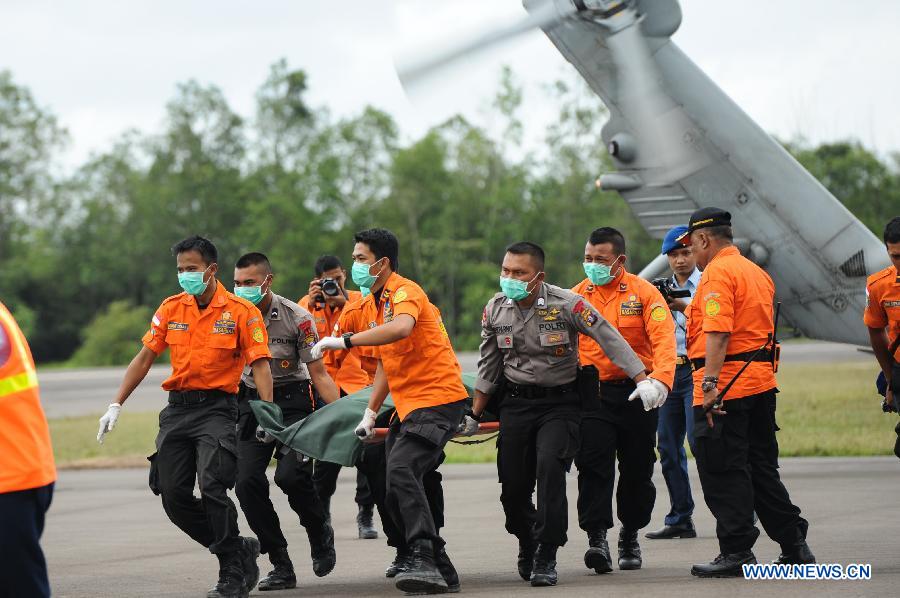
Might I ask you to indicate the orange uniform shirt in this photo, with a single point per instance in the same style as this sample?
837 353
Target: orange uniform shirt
637 310
422 369
735 296
883 303
347 372
209 347
353 319
26 455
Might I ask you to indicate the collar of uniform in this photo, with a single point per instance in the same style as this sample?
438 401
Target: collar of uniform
725 251
391 284
541 300
619 284
693 280
219 299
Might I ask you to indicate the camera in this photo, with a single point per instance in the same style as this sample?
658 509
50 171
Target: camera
668 289
330 288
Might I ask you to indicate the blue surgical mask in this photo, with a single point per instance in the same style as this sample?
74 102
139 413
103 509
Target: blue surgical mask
193 282
361 275
514 288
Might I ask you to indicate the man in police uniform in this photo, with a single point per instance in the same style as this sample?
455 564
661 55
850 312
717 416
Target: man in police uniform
529 353
291 337
617 426
730 324
882 318
211 335
676 416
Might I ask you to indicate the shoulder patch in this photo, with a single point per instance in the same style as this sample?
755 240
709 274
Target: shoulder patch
579 307
712 307
400 296
658 313
258 334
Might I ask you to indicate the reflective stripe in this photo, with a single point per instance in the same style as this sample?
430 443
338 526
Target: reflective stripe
18 383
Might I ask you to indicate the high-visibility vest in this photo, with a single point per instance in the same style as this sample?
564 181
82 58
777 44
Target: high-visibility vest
26 455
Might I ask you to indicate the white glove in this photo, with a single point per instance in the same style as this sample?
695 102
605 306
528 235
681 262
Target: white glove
663 392
264 436
647 392
366 427
328 343
108 421
468 426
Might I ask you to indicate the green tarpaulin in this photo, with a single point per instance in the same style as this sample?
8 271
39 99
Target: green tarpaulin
327 433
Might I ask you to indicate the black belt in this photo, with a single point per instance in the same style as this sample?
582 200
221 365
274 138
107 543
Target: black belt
301 387
618 382
763 356
681 360
195 397
527 391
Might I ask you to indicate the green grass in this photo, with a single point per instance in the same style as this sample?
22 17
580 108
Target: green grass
823 410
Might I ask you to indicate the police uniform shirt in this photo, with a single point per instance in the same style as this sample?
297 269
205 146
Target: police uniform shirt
540 347
292 334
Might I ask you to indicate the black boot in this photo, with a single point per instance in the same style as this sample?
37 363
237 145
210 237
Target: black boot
597 556
326 507
367 531
282 577
322 550
401 562
447 570
231 577
527 548
543 572
725 565
796 554
249 553
629 550
679 530
423 576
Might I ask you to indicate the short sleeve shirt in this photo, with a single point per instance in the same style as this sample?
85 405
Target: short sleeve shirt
292 335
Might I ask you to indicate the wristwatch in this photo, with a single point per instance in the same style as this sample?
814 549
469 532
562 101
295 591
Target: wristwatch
709 383
346 336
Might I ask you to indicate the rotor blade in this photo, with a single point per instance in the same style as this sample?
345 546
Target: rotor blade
544 16
662 131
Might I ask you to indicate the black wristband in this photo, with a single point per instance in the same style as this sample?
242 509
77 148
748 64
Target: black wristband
347 342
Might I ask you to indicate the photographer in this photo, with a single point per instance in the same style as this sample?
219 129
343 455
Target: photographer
326 300
676 417
882 317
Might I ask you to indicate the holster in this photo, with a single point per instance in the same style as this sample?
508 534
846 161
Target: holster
588 381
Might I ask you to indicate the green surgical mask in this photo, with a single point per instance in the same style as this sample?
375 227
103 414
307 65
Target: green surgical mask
514 288
366 291
360 274
252 294
192 282
599 274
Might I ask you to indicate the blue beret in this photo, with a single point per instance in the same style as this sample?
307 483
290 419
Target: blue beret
672 239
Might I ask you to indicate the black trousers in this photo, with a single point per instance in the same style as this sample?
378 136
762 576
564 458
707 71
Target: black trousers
373 465
23 570
325 478
617 428
197 443
738 464
292 476
537 442
415 449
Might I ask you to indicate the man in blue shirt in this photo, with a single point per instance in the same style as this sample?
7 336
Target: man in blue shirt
676 414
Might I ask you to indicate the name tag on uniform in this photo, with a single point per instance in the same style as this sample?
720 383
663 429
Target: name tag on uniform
551 339
505 341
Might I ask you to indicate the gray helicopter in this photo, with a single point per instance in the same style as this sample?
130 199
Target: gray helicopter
679 143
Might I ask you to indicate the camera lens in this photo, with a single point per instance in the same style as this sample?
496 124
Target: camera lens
330 287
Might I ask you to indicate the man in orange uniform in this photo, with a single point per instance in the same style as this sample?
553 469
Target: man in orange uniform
417 362
326 300
27 471
882 317
729 320
618 426
211 335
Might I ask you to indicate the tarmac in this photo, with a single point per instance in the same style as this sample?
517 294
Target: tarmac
107 536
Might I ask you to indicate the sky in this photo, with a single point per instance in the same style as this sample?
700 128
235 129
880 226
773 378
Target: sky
805 67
